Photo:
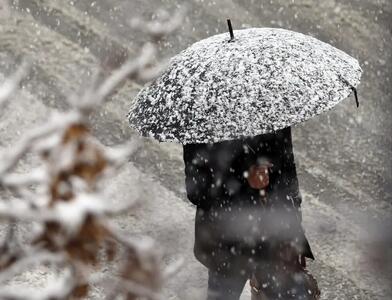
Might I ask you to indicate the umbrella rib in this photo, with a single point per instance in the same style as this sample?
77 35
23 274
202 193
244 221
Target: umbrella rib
352 88
355 95
250 148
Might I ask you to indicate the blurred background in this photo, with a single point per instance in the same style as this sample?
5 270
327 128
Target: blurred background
344 157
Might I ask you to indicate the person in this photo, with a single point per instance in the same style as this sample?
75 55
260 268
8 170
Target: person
248 218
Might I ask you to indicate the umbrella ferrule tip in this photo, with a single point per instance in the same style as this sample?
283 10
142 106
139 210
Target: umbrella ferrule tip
230 30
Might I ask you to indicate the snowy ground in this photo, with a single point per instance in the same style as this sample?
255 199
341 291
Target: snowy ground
344 157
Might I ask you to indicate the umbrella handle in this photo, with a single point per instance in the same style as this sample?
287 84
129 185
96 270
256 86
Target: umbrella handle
230 30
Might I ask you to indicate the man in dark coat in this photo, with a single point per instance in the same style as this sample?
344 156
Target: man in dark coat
248 219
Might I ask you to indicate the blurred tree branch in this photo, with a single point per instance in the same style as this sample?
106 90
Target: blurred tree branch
66 200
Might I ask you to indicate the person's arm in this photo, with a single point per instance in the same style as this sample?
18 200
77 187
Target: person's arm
293 191
197 175
289 171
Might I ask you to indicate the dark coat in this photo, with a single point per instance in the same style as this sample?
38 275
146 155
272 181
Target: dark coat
233 226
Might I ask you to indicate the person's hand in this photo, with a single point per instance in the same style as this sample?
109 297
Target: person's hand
258 176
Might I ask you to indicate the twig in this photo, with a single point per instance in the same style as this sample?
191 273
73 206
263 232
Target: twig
10 159
159 28
12 83
31 258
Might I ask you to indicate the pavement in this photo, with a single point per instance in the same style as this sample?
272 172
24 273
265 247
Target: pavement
344 158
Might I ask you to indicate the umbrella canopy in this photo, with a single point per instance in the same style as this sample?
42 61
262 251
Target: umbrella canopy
263 80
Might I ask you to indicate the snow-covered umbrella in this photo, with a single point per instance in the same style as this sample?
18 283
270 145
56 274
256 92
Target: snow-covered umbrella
257 81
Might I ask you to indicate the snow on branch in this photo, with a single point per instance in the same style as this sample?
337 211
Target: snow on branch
163 26
143 69
130 69
64 198
8 87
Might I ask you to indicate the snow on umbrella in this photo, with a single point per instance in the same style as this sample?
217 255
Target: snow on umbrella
258 81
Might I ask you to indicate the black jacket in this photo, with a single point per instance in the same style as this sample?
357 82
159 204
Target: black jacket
232 224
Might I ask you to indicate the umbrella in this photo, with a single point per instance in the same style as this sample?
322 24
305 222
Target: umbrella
257 81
